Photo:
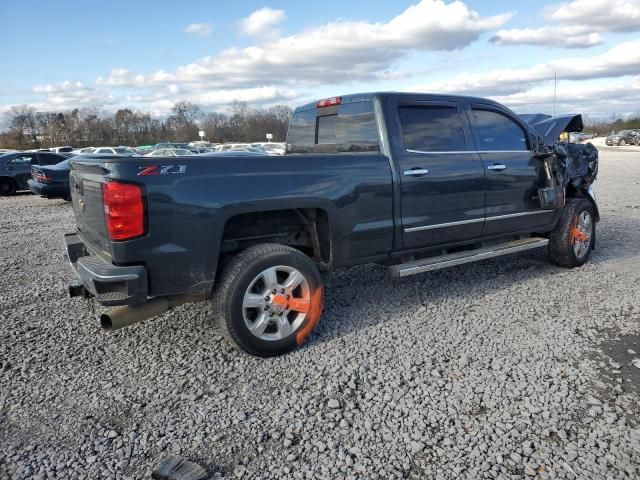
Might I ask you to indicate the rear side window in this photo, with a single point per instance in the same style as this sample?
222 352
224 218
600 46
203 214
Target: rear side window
50 158
349 127
432 128
495 131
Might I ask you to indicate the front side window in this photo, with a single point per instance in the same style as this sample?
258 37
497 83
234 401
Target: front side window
436 128
495 131
21 160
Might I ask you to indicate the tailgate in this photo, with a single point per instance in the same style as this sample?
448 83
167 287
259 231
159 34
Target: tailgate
85 183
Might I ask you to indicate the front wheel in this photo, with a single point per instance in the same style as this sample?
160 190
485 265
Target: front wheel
268 299
571 242
622 142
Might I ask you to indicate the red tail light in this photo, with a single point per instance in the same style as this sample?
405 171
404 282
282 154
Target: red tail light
123 210
329 102
40 176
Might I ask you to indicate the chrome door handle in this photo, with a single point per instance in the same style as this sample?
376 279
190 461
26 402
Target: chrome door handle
416 171
498 167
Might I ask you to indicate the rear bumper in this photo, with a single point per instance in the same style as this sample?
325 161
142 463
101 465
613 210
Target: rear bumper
110 284
55 191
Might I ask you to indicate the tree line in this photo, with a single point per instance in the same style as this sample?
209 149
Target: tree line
26 128
614 123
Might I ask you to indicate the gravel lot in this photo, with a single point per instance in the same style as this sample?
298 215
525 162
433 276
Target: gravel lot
510 368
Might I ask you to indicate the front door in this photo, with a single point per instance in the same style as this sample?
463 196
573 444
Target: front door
441 176
513 175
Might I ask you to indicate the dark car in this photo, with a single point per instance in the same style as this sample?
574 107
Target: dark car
624 137
415 182
15 169
51 181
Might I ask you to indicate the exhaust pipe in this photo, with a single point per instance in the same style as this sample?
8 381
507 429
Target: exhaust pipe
128 315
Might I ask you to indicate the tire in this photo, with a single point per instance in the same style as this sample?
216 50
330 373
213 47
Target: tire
571 242
244 297
622 142
7 187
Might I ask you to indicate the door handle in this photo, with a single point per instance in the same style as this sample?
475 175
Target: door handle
498 167
416 171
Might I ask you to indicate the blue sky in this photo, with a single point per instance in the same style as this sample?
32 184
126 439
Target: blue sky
146 55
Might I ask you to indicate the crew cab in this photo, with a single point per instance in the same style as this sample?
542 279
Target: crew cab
416 182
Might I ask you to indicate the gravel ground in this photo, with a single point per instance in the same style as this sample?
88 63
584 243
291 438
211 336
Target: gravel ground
509 368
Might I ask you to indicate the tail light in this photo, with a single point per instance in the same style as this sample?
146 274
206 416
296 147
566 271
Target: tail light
40 177
329 102
123 210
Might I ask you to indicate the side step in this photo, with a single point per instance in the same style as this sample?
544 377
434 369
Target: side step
459 258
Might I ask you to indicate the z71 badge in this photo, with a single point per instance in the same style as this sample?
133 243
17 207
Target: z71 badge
162 169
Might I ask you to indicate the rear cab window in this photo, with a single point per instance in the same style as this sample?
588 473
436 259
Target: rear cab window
346 127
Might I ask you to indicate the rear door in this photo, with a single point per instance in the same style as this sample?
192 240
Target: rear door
20 168
441 176
513 175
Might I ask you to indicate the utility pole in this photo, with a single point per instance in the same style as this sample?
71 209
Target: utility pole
555 85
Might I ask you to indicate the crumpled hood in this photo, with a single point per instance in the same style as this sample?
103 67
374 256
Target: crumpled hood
550 127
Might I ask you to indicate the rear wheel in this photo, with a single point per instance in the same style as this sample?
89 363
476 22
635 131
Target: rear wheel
268 299
7 187
622 142
572 240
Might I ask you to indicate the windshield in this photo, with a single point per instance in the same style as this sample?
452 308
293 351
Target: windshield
123 150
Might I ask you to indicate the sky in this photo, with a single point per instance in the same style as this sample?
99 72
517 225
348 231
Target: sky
146 55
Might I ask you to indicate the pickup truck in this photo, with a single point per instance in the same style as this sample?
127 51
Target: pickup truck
415 182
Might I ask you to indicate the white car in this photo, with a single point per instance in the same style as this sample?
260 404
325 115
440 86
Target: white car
79 151
114 151
170 152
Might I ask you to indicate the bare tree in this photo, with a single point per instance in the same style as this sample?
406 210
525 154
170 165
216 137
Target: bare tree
91 127
21 122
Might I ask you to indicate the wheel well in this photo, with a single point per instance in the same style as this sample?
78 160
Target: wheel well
573 192
10 179
306 229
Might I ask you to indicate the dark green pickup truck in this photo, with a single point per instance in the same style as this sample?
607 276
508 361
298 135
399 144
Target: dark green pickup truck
416 182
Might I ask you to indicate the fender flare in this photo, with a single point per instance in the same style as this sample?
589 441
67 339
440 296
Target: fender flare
592 196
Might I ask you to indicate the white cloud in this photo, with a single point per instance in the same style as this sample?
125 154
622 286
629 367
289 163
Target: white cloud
199 29
578 24
604 15
621 96
262 22
622 59
342 50
563 37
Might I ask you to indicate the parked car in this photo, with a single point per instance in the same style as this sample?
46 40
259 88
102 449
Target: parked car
15 169
274 148
171 152
416 182
51 181
624 137
61 149
114 151
183 146
85 150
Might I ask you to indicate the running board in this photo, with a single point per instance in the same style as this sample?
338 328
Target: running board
459 258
